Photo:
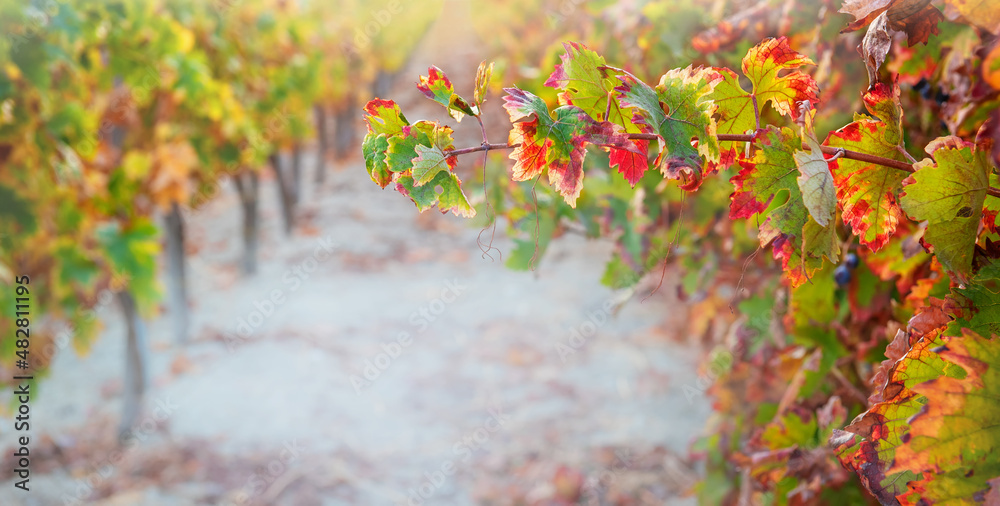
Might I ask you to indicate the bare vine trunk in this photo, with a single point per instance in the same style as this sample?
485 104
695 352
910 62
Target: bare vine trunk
136 363
296 182
176 273
285 196
321 137
345 134
248 184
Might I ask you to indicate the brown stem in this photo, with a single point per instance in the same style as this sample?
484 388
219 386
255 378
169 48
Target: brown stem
829 150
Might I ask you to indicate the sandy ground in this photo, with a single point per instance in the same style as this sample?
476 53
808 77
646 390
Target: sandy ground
469 397
478 378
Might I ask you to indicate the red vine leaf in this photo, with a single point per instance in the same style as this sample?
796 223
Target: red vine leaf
437 87
585 81
867 191
630 164
556 141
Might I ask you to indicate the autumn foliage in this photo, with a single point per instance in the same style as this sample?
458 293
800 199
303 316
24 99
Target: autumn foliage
883 230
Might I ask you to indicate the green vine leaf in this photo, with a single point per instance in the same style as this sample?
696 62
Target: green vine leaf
948 192
739 109
429 162
767 186
384 120
678 111
444 191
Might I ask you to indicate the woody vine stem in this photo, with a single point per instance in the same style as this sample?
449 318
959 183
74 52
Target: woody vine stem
837 152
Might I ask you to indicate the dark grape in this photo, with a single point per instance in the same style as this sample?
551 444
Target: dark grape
851 261
941 97
923 87
842 275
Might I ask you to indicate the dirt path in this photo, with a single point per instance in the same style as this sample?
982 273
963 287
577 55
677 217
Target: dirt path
480 342
386 360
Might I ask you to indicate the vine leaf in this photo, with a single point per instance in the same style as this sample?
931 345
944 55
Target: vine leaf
444 191
958 430
917 18
483 76
429 162
770 172
977 305
737 111
982 13
991 209
875 46
384 117
414 157
584 82
868 444
865 190
678 111
630 164
885 444
384 120
815 180
587 82
864 11
949 195
437 87
767 185
556 141
403 147
422 169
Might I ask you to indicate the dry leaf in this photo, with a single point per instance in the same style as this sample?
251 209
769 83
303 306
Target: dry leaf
875 47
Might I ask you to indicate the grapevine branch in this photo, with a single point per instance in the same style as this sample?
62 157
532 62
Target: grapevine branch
837 152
